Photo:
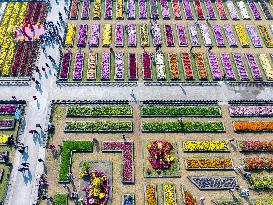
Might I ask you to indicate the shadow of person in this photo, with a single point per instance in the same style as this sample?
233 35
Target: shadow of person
25 156
27 177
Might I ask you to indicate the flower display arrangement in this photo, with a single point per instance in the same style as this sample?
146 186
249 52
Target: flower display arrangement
105 66
243 10
257 163
262 201
205 34
142 9
214 66
4 139
254 36
210 10
119 9
150 195
242 36
206 163
128 199
82 36
194 35
187 66
265 9
65 66
232 10
213 182
181 35
144 37
96 10
230 75
188 198
256 73
107 35
165 9
119 65
108 9
266 66
169 35
241 126
176 9
259 182
267 40
156 33
71 28
85 10
255 146
254 10
131 9
187 9
173 66
205 146
160 66
94 37
7 109
132 38
132 66
169 194
153 9
74 9
223 201
230 36
78 66
251 111
221 9
218 35
202 73
92 63
199 10
146 63
119 35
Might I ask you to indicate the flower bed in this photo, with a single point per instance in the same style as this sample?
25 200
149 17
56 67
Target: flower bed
97 9
258 163
60 199
65 66
206 163
108 9
194 35
150 194
144 37
267 40
254 36
131 9
227 66
266 66
187 66
173 66
74 9
251 111
159 127
205 34
242 126
218 35
187 197
97 127
85 10
242 36
263 201
176 9
214 66
107 35
99 111
254 10
132 65
7 124
128 199
230 36
132 38
232 10
255 146
146 63
260 182
205 146
7 109
4 139
187 9
92 63
181 35
94 37
82 36
142 9
169 194
213 182
243 10
160 66
78 66
199 10
119 66
119 35
105 66
210 10
265 9
254 67
165 9
127 152
70 34
227 201
156 33
153 9
221 9
119 9
169 35
68 148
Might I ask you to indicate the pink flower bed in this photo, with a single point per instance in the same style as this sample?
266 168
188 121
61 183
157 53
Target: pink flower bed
251 111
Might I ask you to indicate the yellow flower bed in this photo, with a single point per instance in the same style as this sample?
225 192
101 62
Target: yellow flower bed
97 9
266 36
71 28
242 35
266 66
107 35
192 146
150 195
144 35
119 9
169 194
4 139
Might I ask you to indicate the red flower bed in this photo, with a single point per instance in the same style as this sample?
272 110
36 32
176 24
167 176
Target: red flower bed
187 66
258 163
221 10
199 10
146 62
132 66
255 145
17 58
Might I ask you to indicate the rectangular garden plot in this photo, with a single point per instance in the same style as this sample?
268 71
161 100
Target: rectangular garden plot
205 146
209 164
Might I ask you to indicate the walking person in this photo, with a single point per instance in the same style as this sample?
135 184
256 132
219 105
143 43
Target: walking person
25 164
209 49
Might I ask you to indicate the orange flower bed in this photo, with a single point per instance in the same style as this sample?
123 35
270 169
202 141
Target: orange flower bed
252 126
74 9
174 66
201 66
189 199
203 163
150 195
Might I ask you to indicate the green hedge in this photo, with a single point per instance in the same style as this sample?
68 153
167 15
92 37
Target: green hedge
102 110
180 111
67 149
60 199
99 126
180 127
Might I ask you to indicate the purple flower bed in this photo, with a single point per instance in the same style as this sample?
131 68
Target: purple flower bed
94 37
205 34
232 10
108 9
265 10
253 66
240 66
229 35
142 9
227 66
78 66
182 38
251 111
194 35
187 9
132 38
119 64
157 40
254 10
210 10
165 9
254 36
153 6
85 9
169 35
105 66
6 124
131 9
214 66
65 66
119 35
218 35
7 109
82 36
